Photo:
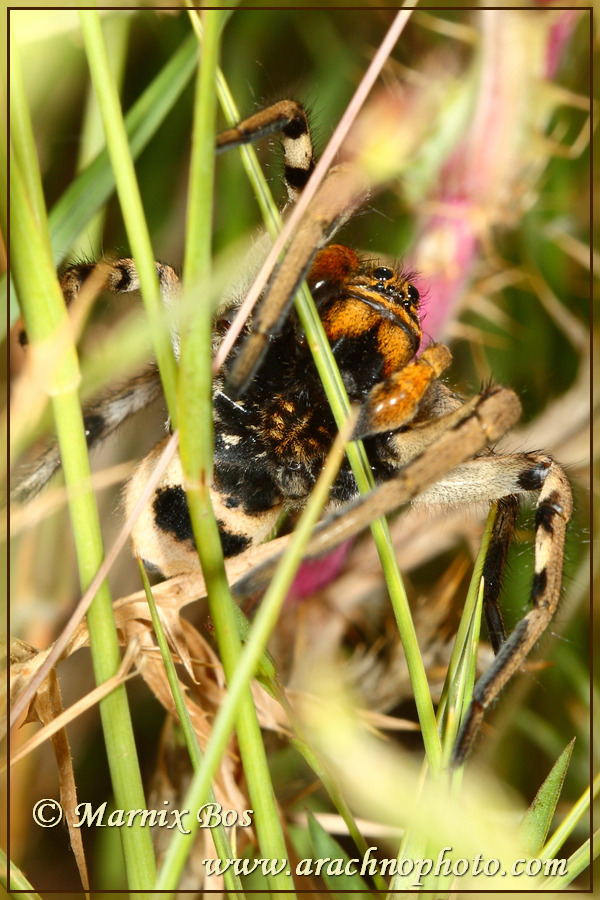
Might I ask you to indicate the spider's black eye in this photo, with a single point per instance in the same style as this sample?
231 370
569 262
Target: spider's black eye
412 294
382 273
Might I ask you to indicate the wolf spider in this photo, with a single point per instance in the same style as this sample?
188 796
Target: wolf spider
274 427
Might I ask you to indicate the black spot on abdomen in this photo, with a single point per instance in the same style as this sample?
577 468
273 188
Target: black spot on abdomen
171 513
232 543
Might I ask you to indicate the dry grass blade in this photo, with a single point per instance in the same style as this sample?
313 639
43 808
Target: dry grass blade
46 708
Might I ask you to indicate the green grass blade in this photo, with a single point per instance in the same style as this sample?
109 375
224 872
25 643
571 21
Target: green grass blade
458 685
219 835
22 140
538 818
93 187
13 879
117 31
327 848
577 863
47 325
567 825
196 449
130 200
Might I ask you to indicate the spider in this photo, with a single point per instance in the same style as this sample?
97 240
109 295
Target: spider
274 427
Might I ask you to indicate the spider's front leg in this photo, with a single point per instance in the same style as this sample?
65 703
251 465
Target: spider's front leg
106 414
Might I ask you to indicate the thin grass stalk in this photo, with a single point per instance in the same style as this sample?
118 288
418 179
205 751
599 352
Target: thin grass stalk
195 398
461 690
338 400
130 200
577 863
250 660
93 187
22 139
117 30
460 651
456 692
47 324
218 833
13 879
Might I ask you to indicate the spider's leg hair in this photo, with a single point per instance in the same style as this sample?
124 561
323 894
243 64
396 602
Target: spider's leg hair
100 420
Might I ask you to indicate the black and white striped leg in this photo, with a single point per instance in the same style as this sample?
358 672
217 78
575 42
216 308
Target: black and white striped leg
554 509
100 421
108 413
288 119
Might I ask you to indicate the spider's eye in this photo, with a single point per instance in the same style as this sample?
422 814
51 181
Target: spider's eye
412 294
382 273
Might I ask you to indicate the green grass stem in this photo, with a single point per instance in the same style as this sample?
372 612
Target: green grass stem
218 833
250 659
23 142
91 189
460 677
129 198
196 450
47 325
116 31
13 879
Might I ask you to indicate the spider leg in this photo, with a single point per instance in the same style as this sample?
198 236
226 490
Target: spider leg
100 420
107 414
288 118
117 276
554 508
503 478
501 537
395 401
